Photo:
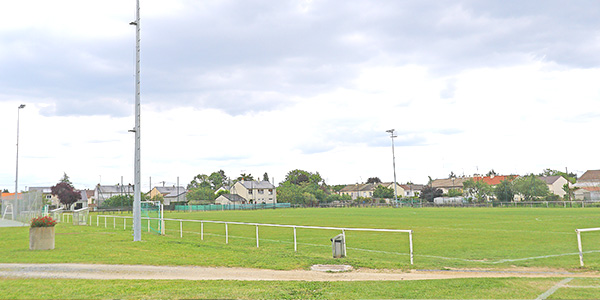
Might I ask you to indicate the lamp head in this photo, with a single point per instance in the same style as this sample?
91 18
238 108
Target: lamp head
21 106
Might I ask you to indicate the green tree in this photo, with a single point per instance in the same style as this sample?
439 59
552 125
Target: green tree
477 189
428 193
531 187
297 183
245 177
158 198
65 179
299 176
265 177
337 197
373 180
217 179
221 192
199 181
201 193
119 201
454 192
383 192
569 192
122 200
571 177
505 191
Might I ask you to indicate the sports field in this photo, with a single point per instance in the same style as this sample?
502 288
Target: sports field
538 239
443 237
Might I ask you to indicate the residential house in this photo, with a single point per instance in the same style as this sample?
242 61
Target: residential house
46 194
555 184
366 190
448 184
81 203
390 185
223 188
103 192
169 194
494 179
55 202
255 191
226 199
412 190
90 196
589 186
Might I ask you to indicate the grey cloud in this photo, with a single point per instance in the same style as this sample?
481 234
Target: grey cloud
271 49
91 107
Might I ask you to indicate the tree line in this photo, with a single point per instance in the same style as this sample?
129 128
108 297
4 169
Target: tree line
529 187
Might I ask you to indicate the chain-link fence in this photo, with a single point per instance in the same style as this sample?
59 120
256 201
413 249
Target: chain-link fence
23 207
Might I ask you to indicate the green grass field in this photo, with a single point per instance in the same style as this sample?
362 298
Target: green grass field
443 238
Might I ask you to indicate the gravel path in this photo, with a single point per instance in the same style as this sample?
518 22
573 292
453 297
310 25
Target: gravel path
97 271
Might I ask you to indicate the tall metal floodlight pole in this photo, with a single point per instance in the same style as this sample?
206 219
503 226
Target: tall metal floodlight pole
137 191
392 136
16 203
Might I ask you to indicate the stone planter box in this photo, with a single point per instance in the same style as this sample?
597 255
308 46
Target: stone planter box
41 238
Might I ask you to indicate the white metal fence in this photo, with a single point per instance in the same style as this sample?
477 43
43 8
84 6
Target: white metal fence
257 225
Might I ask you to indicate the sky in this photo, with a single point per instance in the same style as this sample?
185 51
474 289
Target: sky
259 86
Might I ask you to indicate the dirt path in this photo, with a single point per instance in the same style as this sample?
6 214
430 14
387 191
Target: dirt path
93 271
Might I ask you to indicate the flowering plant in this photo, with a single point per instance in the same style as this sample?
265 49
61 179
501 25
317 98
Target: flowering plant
46 221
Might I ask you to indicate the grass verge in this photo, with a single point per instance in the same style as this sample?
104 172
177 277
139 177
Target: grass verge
485 288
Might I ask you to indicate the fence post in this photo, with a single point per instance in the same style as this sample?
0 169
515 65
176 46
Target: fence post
180 229
105 221
580 247
202 231
114 222
410 242
124 224
344 236
295 244
226 234
256 236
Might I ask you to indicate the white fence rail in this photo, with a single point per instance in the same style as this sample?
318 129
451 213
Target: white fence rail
257 225
579 245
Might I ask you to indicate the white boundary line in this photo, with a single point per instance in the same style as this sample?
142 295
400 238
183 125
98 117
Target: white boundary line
553 289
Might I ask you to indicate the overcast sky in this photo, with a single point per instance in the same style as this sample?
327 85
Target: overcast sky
270 86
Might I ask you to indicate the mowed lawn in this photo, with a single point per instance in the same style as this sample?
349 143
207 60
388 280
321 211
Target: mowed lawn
443 238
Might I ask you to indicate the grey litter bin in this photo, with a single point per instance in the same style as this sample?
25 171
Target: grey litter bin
338 246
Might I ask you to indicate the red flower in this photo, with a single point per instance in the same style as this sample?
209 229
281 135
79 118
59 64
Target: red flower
46 221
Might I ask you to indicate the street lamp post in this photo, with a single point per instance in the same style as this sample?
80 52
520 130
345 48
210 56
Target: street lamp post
16 204
392 136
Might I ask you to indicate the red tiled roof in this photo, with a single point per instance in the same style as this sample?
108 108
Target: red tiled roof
493 180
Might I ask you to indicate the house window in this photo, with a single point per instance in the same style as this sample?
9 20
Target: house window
48 196
261 191
270 192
